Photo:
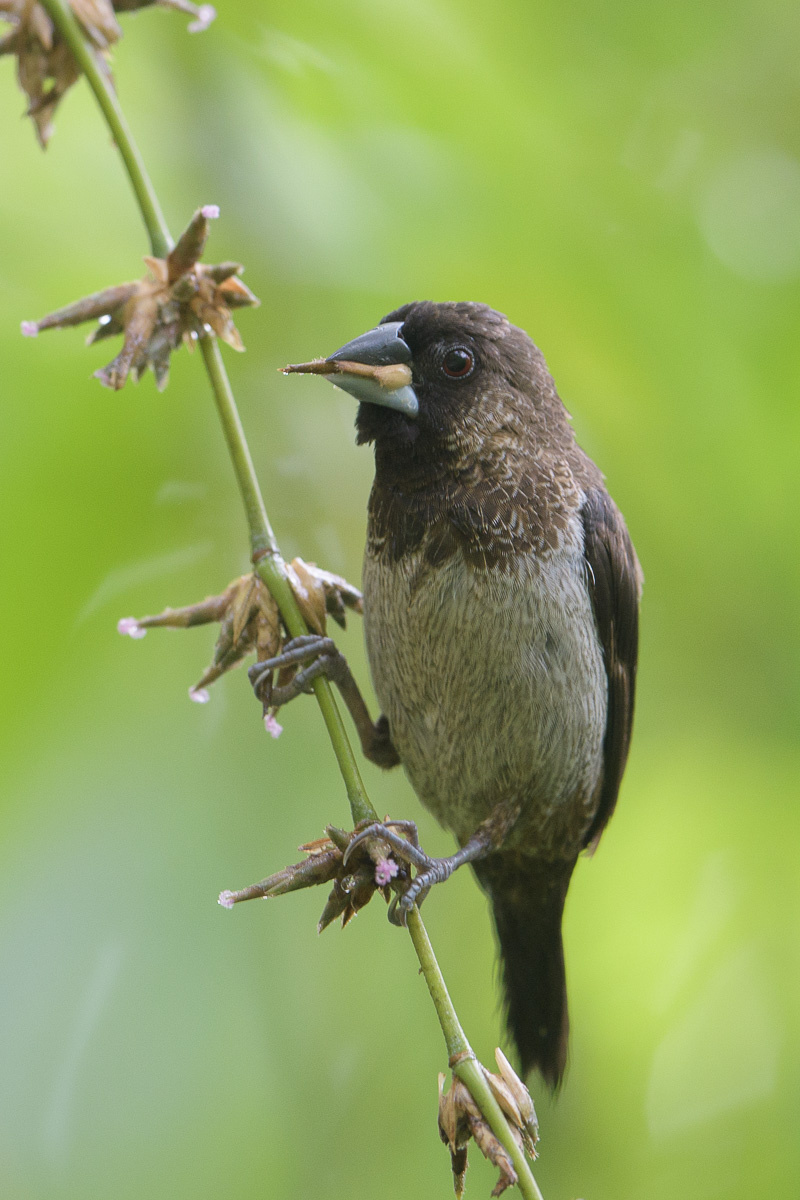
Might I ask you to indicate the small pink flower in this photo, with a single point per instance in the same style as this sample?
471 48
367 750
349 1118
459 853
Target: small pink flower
210 211
205 15
271 725
226 899
130 627
29 329
385 869
199 695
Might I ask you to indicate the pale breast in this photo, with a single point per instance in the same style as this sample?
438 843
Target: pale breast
494 686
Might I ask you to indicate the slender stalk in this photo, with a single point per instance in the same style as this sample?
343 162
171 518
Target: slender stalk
462 1057
454 1035
263 544
271 567
160 241
262 538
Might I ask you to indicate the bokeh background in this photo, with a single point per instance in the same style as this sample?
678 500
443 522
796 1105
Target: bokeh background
624 181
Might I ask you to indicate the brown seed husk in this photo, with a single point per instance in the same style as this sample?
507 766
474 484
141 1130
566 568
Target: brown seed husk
177 301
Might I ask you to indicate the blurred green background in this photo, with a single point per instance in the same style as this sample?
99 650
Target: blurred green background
624 181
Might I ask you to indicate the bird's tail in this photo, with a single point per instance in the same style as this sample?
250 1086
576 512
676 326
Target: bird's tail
527 896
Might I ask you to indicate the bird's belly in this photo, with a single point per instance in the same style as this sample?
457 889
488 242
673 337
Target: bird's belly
495 690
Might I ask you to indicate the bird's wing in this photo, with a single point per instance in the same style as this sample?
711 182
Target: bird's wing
615 585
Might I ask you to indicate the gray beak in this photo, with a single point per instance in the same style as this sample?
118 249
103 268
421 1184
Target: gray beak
374 368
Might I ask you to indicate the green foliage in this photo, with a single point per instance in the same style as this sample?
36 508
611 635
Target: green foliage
624 182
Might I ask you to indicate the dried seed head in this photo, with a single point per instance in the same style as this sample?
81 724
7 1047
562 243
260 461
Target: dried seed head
46 68
460 1119
353 885
248 618
178 300
356 884
250 623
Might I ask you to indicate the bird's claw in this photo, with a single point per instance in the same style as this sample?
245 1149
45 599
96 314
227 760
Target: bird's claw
407 849
325 658
402 904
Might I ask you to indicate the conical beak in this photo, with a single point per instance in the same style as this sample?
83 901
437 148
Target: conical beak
374 368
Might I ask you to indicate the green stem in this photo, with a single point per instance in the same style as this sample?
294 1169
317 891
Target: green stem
462 1057
454 1036
263 544
262 539
160 241
272 569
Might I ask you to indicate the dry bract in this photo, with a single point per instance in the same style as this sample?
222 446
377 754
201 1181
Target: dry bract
178 299
46 68
460 1119
249 619
354 885
43 58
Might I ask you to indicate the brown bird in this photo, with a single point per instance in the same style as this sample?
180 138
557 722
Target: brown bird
501 594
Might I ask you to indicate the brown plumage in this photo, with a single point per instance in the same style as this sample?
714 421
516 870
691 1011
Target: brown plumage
501 597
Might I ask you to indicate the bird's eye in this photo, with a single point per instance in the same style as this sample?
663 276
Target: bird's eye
458 362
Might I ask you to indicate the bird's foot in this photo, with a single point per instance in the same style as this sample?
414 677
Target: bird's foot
407 849
322 658
319 652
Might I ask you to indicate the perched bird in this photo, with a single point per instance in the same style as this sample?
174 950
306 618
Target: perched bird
501 594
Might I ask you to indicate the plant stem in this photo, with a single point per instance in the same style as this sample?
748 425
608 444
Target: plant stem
462 1057
454 1036
271 568
160 241
262 538
263 545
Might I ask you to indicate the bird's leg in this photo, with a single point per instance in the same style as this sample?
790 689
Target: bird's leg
429 870
323 658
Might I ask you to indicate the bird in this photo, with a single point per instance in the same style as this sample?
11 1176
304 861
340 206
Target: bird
501 600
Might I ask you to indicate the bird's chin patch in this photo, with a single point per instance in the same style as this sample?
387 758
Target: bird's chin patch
375 422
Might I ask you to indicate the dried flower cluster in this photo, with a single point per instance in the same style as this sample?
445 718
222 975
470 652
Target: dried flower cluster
369 869
250 622
176 301
43 58
461 1119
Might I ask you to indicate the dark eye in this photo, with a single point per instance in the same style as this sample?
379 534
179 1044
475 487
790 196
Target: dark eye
458 362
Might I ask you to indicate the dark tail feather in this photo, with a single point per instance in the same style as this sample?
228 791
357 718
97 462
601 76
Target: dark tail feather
527 897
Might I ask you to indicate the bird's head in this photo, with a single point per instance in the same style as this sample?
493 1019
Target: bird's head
439 380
